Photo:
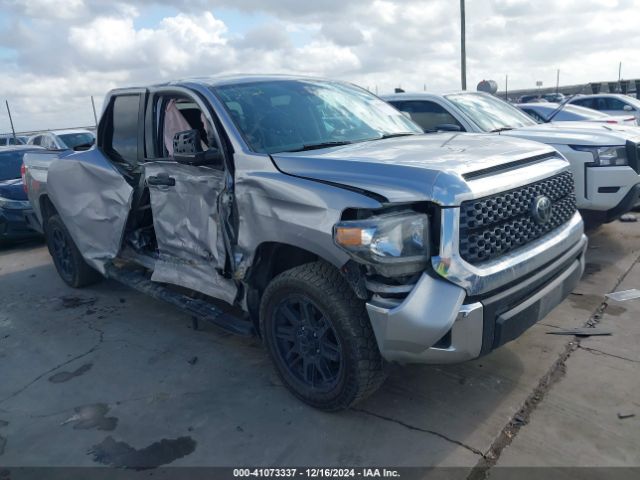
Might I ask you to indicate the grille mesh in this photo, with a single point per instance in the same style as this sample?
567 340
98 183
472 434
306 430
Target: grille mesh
494 225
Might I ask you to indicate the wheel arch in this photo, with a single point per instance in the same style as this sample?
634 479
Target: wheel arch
270 260
47 209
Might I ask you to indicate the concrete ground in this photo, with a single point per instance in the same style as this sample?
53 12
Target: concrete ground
108 376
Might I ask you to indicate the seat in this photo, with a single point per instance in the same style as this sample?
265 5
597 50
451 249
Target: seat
174 122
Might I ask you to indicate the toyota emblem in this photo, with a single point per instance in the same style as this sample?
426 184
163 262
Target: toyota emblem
541 209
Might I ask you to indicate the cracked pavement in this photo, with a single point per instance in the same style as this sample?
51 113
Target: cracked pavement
108 367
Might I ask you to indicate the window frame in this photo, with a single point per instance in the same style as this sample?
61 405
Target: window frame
104 140
153 139
401 104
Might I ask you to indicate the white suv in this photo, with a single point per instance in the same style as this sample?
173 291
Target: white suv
610 103
605 159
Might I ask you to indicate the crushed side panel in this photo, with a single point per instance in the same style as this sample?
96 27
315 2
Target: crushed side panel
93 200
187 226
278 208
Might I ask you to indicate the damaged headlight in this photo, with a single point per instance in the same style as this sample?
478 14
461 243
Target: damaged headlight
394 244
606 156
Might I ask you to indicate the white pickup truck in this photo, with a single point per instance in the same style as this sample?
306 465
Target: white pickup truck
605 159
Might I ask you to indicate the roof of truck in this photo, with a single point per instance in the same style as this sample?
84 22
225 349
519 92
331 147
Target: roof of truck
229 79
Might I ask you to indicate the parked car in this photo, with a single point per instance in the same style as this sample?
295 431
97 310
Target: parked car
556 112
63 140
532 98
8 139
348 237
604 158
554 97
16 214
610 103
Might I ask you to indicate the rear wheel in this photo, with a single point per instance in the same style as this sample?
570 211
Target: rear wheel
319 337
66 257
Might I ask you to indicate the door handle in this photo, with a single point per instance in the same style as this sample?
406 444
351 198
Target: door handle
162 179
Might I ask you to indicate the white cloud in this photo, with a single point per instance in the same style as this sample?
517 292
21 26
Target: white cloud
56 53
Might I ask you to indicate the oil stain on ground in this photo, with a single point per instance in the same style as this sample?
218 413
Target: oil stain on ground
92 416
66 376
591 268
69 301
122 455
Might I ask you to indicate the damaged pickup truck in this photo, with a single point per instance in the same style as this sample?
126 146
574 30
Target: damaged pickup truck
346 237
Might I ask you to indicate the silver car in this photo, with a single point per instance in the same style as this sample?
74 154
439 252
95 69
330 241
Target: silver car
609 103
544 112
63 139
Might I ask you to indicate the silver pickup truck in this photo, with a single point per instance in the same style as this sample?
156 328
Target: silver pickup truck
317 216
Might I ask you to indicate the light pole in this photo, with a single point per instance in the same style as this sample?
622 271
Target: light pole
463 47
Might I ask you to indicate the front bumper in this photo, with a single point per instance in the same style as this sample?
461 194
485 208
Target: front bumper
15 225
439 323
607 188
628 203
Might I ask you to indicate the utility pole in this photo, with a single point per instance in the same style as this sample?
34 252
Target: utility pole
95 117
463 47
13 130
558 81
619 76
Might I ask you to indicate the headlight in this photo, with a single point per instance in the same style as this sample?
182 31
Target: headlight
395 244
606 156
11 204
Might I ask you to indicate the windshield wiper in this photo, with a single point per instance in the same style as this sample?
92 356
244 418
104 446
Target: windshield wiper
501 129
393 135
318 146
556 111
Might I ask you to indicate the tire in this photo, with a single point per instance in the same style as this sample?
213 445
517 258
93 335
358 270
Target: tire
327 357
70 265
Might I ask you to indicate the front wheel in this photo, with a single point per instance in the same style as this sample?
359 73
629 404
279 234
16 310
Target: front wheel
318 334
66 257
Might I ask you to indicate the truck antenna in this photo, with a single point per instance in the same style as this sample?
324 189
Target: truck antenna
95 117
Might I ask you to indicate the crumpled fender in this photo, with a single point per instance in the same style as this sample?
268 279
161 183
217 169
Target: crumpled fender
93 199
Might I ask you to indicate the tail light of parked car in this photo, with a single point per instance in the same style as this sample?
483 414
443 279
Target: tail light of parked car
23 174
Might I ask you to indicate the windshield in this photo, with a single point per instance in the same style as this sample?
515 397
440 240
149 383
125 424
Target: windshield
72 140
11 141
292 115
10 163
490 113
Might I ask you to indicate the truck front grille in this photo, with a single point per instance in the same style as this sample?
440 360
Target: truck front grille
494 225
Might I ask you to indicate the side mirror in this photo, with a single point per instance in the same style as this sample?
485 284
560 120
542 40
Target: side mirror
406 114
627 108
448 127
187 149
84 146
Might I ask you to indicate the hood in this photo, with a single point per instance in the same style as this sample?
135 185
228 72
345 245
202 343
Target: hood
576 133
12 189
404 169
